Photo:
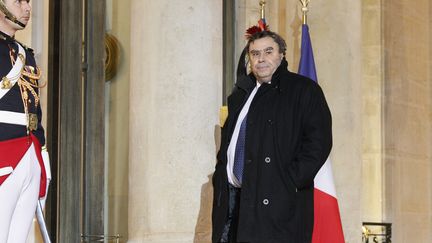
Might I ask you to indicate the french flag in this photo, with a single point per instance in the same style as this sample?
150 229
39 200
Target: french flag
327 222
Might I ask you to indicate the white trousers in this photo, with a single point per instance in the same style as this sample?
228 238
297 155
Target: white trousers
18 199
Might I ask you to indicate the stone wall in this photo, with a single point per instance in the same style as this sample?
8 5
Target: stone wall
407 119
175 95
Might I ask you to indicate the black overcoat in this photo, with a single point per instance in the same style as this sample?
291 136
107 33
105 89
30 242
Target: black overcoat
288 139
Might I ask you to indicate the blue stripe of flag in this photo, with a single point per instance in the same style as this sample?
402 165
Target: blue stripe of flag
307 63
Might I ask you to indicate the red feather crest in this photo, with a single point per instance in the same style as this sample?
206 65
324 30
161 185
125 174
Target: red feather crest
255 29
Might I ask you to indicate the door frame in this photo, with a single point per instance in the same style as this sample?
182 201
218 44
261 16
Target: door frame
75 125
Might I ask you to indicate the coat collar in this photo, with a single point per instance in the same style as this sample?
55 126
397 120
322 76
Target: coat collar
280 72
6 37
248 82
279 77
11 40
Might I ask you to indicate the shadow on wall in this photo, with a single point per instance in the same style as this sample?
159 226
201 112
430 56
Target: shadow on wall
203 228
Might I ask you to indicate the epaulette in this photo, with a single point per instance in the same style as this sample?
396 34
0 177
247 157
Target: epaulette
12 39
2 36
25 47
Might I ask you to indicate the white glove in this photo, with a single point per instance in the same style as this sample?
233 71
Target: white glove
46 161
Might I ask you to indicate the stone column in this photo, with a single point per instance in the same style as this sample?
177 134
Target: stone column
372 90
175 95
407 119
117 120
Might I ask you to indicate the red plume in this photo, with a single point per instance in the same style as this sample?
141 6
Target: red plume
255 29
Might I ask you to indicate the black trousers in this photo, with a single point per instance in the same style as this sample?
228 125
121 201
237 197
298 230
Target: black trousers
229 233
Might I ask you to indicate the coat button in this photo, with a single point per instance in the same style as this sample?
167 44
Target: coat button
270 121
248 161
267 160
266 201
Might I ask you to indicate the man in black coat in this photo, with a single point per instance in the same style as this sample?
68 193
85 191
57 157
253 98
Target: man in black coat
274 141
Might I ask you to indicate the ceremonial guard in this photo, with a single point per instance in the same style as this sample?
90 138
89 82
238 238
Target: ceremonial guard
24 163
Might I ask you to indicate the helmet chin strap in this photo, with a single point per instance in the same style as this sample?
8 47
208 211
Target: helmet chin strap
9 15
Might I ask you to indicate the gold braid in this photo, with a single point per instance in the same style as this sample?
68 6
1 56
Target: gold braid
28 82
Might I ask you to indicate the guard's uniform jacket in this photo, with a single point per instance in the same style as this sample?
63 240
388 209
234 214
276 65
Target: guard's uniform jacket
288 139
13 133
12 101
